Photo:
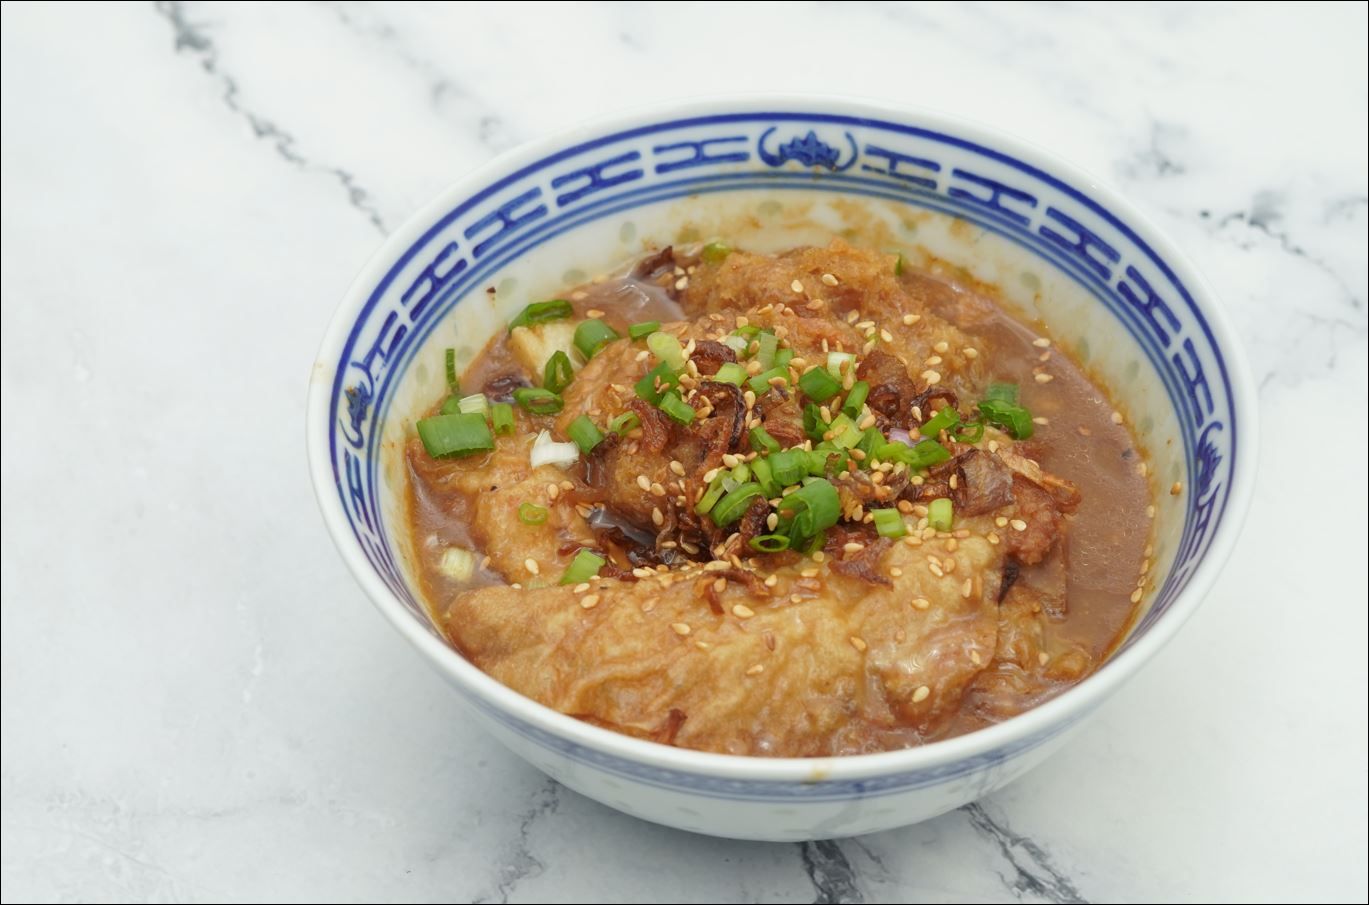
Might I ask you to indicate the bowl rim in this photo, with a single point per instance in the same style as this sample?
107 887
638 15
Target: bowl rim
1056 713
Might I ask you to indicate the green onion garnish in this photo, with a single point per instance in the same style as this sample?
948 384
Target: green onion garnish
789 466
924 455
826 457
455 435
855 399
538 400
532 514
762 442
501 416
541 312
656 382
711 496
715 252
770 543
840 362
889 523
783 357
747 332
870 441
730 372
451 405
810 510
733 506
760 384
970 432
583 567
622 424
453 385
813 425
1013 418
944 420
667 348
765 476
475 404
844 432
584 433
646 328
592 335
898 265
1001 392
767 344
940 514
679 410
558 373
818 385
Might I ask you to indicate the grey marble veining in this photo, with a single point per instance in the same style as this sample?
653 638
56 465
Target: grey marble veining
200 705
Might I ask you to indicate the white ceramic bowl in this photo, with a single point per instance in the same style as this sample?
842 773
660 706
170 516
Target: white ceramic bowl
769 173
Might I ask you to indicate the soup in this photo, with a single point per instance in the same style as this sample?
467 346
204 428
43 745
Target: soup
813 503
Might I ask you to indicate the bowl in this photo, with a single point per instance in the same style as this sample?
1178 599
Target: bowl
768 173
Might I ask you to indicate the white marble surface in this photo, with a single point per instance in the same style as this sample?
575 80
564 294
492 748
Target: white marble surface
199 703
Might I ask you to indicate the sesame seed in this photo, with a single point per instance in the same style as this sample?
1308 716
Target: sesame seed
1043 658
682 282
1176 488
594 312
681 628
886 335
910 319
567 485
867 422
730 460
1018 525
677 467
553 491
967 588
992 537
642 573
935 568
932 360
975 658
1116 417
1136 596
853 547
1001 521
657 518
720 584
657 489
1041 343
1150 512
643 482
930 377
581 588
755 670
829 279
819 556
710 475
809 573
797 287
531 565
970 352
1041 420
858 643
642 355
922 693
743 612
589 601
1043 378
948 564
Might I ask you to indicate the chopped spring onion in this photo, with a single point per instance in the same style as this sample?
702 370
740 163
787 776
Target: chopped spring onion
826 458
1013 418
558 373
453 385
855 399
767 344
844 432
810 510
762 442
455 435
839 362
747 332
475 404
733 506
532 514
924 454
783 357
770 543
656 382
541 312
711 496
501 417
736 343
789 466
451 405
741 472
818 385
870 441
970 432
583 567
457 564
715 252
646 328
667 348
622 424
730 372
546 451
1001 392
944 420
765 476
940 514
584 433
760 384
679 410
538 400
898 265
592 335
889 523
813 425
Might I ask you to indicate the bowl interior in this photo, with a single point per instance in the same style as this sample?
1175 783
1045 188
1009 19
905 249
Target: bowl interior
1108 290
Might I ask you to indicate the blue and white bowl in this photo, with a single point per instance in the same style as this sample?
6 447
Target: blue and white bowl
767 174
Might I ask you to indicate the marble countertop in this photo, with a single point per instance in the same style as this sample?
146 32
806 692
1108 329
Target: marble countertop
198 701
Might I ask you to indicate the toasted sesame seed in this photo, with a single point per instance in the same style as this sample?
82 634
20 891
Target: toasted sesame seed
1001 521
1136 596
657 489
992 537
682 283
932 360
1142 469
720 584
553 491
910 319
657 517
809 573
643 482
531 565
641 572
642 355
952 545
742 611
853 547
830 279
677 467
1018 525
1117 418
681 628
1043 658
581 588
967 588
922 693
1041 342
819 556
1041 420
1176 488
886 335
589 601
1043 378
858 643
948 564
755 670
970 352
930 377
867 422
594 312
975 658
797 287
935 568
796 598
895 572
1150 512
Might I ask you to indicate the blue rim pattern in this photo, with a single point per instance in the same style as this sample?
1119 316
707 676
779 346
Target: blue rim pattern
851 155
